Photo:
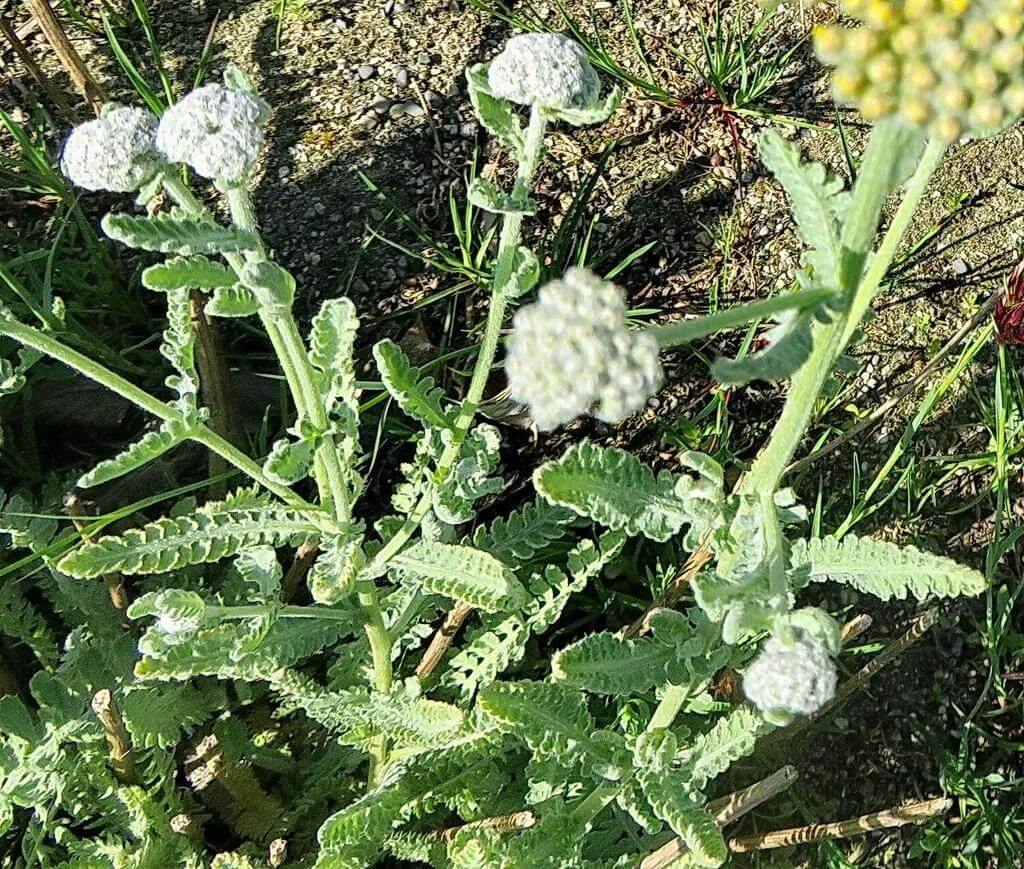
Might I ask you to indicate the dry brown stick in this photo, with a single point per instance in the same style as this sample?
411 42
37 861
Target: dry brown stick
916 630
914 812
305 556
120 742
443 638
56 97
727 810
879 412
231 790
501 824
114 581
215 384
87 85
854 628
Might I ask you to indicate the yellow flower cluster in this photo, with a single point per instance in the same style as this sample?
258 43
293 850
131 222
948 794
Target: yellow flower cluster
951 67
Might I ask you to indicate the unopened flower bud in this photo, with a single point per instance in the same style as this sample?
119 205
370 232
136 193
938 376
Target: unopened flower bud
570 353
116 152
795 678
546 70
216 130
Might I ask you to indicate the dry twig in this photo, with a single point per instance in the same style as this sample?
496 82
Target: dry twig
121 759
88 86
915 812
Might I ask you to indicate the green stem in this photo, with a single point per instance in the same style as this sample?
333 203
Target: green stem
501 291
283 332
830 339
674 334
668 707
98 373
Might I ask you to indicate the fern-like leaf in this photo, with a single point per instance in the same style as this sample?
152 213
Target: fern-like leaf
817 197
518 538
188 272
712 753
175 233
234 301
332 340
213 532
552 719
150 446
416 394
605 664
884 569
463 573
614 489
401 716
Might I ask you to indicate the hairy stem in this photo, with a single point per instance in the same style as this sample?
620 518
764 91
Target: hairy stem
830 339
504 272
669 705
674 334
98 373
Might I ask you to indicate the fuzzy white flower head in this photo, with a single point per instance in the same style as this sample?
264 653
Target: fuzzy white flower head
544 69
570 353
216 130
116 152
795 678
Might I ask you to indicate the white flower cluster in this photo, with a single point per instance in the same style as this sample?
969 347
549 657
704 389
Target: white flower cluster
795 678
216 130
546 70
570 353
115 152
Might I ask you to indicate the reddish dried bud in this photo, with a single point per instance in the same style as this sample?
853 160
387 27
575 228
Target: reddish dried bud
1009 310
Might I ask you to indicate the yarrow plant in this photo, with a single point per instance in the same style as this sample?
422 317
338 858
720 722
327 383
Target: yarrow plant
447 762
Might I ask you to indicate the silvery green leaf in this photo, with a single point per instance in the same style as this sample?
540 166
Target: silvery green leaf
463 573
884 569
234 301
333 575
149 447
488 196
259 567
817 197
174 232
415 393
11 379
525 274
615 489
789 346
186 272
471 478
496 115
813 621
272 285
289 460
595 114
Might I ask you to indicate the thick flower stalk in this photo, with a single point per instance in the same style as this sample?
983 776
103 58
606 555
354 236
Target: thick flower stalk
547 70
216 130
571 353
791 678
115 152
949 67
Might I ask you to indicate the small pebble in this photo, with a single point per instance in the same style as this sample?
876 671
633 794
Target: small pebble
413 110
960 268
402 77
367 71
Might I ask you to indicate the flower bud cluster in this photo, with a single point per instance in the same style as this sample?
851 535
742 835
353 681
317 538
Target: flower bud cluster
216 130
795 678
950 67
571 353
547 70
116 152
